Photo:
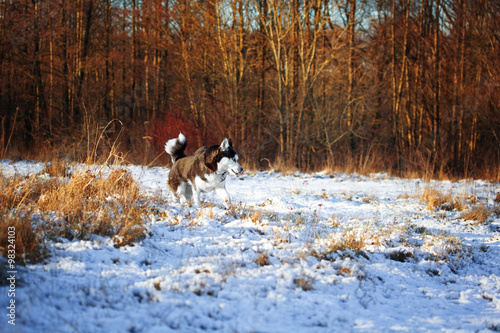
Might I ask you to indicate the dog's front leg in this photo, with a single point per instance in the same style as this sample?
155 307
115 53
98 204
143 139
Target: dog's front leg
196 197
224 196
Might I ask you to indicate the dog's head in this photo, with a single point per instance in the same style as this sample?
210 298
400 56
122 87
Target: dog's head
223 158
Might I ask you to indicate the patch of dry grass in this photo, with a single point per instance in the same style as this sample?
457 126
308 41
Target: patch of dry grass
436 199
58 168
76 206
346 241
346 271
304 282
335 221
479 213
369 199
357 239
444 247
262 259
27 244
92 204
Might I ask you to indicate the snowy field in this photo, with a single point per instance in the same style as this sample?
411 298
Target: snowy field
296 253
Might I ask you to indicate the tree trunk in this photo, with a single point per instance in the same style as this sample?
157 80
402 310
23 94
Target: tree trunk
437 87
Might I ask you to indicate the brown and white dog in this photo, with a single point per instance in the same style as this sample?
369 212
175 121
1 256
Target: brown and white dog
204 171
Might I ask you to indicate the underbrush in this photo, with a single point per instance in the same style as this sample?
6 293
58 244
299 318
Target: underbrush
73 206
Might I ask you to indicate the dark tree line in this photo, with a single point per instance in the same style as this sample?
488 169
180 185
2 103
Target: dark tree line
398 85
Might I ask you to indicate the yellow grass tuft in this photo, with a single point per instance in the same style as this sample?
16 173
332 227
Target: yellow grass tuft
346 271
262 259
479 213
348 241
26 244
57 168
435 199
77 206
255 217
304 282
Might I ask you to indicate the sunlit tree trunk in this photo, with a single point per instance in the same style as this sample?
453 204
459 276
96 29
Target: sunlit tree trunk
436 149
108 91
458 108
351 22
133 88
40 106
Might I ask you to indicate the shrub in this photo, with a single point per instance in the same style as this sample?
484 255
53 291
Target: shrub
170 125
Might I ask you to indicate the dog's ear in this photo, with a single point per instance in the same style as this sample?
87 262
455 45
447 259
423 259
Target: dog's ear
224 146
210 158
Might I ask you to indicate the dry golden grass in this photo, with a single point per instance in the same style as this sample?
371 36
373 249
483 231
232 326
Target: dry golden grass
345 271
445 247
347 241
17 196
92 204
77 206
281 237
28 245
404 196
58 168
358 240
262 259
335 220
255 217
478 213
278 165
435 199
371 198
304 282
323 195
19 191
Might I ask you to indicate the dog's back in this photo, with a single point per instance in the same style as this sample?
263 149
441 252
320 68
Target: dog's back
186 168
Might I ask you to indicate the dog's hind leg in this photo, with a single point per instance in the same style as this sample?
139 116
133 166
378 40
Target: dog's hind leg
184 192
188 193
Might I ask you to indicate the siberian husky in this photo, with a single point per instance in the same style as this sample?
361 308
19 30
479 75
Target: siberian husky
204 171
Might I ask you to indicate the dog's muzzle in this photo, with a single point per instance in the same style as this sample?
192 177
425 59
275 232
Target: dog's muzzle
237 171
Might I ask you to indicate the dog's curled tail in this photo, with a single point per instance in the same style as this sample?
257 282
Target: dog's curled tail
175 147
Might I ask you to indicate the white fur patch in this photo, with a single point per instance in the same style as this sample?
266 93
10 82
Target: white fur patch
185 192
211 182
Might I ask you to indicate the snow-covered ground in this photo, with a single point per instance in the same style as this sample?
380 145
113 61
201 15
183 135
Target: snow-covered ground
270 263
